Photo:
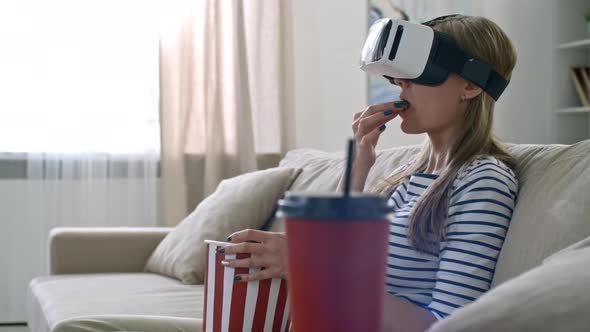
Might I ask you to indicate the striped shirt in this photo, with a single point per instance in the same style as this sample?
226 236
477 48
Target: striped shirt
480 208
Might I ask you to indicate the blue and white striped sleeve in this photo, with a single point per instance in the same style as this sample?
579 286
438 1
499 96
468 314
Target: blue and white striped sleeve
480 209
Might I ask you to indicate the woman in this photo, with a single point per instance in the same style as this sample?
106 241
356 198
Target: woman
453 202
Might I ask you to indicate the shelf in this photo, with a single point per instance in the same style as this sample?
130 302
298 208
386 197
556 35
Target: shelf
575 44
571 110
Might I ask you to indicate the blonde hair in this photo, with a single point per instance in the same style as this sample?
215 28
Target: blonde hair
484 40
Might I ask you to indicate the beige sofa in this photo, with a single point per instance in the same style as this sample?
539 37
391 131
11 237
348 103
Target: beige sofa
97 281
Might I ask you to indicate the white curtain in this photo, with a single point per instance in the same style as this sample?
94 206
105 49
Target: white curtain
93 146
79 107
81 84
225 94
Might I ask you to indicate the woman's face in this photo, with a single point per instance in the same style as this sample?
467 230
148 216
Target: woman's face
432 109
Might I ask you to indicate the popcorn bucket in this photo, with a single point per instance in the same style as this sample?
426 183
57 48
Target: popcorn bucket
241 306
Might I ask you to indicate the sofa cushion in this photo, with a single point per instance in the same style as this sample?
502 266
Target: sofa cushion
544 299
143 323
553 206
322 170
242 202
585 243
56 298
553 202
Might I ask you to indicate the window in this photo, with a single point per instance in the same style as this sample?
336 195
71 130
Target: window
78 76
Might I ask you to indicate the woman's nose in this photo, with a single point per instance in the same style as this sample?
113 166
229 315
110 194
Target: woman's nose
402 82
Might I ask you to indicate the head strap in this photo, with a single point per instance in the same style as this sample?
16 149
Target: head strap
455 59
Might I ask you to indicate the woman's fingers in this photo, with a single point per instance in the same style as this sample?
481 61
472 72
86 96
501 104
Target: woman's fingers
389 110
252 261
248 235
371 138
260 275
356 116
377 108
244 247
371 111
368 124
369 120
267 251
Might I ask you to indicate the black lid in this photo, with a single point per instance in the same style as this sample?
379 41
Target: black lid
358 206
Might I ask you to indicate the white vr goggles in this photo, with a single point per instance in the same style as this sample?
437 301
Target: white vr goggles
400 49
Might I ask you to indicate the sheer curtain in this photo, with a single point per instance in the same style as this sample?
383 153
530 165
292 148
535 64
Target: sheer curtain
225 94
91 129
79 106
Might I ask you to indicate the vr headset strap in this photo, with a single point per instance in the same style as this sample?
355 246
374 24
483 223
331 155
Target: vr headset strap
448 55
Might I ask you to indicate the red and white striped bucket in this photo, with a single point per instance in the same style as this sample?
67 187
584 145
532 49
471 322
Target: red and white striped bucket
256 306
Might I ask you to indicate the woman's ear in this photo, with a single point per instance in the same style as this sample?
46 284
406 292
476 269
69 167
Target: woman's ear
471 91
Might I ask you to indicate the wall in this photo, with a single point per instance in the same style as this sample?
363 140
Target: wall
329 87
524 112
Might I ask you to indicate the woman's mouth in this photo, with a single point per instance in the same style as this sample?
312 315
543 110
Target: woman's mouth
402 105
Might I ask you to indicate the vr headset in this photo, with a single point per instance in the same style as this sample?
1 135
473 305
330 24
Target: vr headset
400 49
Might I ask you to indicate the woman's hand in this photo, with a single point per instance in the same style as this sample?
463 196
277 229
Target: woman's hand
268 250
367 126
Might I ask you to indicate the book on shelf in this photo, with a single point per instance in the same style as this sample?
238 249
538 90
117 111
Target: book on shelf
581 80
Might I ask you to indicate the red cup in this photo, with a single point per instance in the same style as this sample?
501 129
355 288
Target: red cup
337 252
241 306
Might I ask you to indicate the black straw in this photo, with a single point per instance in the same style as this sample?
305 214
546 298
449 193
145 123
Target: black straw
349 159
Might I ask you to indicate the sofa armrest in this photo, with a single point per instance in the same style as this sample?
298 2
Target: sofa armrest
101 250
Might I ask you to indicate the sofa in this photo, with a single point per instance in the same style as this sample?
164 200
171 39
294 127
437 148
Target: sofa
98 279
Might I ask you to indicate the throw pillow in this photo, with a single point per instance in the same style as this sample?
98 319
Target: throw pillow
242 202
585 243
552 208
548 298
